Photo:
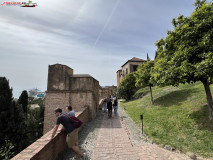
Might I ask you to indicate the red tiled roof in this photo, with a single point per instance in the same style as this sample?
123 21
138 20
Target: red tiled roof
119 70
137 59
134 59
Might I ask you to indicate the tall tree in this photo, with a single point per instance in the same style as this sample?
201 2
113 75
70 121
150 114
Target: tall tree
19 128
186 54
148 59
23 100
156 54
143 76
6 110
12 121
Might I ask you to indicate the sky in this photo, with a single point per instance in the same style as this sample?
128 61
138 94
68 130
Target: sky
93 37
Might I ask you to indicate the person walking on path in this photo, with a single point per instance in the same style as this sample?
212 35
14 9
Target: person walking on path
105 105
115 106
109 107
72 133
70 111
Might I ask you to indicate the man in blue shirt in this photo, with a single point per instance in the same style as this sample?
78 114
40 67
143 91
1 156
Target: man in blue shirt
70 111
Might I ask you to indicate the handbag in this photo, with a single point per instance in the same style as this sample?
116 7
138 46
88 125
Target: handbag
76 123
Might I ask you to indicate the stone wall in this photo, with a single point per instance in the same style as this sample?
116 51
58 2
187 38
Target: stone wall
105 92
119 77
58 77
43 149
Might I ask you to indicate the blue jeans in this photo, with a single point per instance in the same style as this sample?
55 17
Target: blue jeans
115 110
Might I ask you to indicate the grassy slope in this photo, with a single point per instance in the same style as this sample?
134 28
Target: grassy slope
179 117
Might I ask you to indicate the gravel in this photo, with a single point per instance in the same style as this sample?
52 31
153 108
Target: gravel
134 131
87 138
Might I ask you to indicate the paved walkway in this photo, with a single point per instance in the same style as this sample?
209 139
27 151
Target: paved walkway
114 143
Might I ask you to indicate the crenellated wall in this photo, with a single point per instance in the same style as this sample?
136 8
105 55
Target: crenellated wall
58 77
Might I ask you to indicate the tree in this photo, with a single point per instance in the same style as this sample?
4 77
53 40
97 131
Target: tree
6 150
23 100
156 54
6 110
35 120
19 128
127 87
143 76
186 54
147 57
12 121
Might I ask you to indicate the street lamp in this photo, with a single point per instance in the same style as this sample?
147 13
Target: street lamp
142 123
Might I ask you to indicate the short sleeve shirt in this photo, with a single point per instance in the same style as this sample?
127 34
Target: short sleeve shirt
66 122
72 113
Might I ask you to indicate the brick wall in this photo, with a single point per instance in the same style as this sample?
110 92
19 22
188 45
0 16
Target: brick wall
52 101
43 149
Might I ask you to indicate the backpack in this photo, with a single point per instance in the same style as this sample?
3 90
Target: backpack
76 123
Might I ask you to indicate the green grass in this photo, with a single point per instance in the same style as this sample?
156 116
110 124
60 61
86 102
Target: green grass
179 117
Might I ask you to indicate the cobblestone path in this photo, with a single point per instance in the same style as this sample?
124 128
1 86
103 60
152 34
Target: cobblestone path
114 142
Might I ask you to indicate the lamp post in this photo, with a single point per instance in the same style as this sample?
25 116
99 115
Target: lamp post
142 123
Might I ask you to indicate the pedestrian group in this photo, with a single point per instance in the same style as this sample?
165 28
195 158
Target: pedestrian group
109 104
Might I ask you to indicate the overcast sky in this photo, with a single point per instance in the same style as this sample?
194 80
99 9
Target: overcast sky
93 37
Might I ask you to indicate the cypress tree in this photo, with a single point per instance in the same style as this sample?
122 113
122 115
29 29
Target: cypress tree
19 129
23 100
6 110
148 59
156 54
12 121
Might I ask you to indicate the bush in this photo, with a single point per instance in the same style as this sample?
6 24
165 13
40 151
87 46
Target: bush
6 150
